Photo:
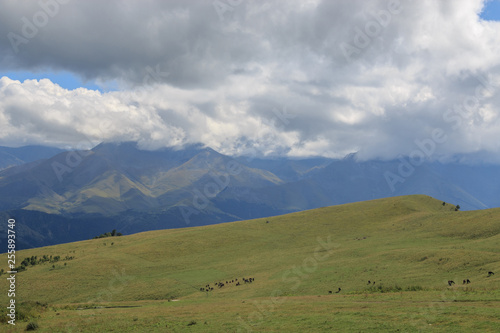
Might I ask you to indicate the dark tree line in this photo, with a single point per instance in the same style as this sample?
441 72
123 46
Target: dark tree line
109 234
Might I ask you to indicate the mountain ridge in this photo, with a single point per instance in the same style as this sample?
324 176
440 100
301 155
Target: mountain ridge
197 185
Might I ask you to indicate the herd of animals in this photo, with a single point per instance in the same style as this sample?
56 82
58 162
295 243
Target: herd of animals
467 281
450 282
221 284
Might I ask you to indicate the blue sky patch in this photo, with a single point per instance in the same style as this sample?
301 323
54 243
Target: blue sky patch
491 11
64 79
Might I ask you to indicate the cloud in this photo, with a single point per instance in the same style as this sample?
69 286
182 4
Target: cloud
309 78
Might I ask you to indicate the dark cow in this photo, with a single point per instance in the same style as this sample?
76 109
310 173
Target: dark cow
338 291
450 283
468 281
490 273
329 291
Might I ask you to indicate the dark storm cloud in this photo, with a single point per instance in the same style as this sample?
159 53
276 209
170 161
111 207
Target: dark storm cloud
120 40
269 77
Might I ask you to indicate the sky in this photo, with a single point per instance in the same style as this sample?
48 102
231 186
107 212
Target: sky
299 78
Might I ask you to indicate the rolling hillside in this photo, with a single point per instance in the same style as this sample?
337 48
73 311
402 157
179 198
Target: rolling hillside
120 186
407 247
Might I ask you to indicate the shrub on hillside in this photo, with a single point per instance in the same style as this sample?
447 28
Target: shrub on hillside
32 326
109 234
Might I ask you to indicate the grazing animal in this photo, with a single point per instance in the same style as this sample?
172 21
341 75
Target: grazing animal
468 281
329 291
490 273
450 282
338 291
369 282
464 282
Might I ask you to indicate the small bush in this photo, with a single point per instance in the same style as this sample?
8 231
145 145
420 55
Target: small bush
414 288
395 288
32 326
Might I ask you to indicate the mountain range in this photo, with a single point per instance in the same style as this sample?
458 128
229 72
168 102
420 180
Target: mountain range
17 156
61 196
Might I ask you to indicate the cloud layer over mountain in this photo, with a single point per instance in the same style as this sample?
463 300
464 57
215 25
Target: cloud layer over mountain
299 78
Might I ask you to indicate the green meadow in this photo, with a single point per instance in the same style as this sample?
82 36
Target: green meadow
407 247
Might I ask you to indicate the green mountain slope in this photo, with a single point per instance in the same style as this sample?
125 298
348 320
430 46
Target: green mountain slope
114 178
409 246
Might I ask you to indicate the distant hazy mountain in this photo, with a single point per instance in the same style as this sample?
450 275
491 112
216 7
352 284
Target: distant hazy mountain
347 180
112 178
17 156
119 186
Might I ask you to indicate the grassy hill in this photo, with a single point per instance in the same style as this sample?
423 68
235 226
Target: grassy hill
409 246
